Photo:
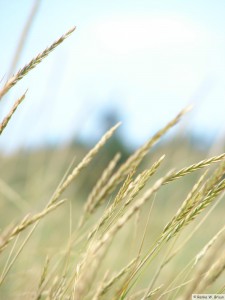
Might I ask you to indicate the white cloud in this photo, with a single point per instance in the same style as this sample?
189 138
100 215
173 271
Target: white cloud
130 33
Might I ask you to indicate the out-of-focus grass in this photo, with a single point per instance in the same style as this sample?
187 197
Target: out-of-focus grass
29 178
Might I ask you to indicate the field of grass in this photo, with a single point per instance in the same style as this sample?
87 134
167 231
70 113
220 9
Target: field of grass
102 226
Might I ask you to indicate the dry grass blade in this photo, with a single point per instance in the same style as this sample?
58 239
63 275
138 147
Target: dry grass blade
91 202
42 278
140 181
209 245
86 271
196 229
86 160
32 64
11 263
188 202
214 272
198 257
9 259
197 201
208 270
112 211
124 189
215 178
97 294
8 117
151 293
130 212
128 191
213 193
192 212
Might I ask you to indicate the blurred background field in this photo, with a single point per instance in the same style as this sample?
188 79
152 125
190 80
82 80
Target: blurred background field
29 178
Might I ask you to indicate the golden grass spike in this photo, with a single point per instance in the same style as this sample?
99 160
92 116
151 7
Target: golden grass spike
215 178
111 211
32 64
135 159
192 212
196 197
213 193
8 117
129 189
130 212
139 184
124 188
91 202
188 238
85 161
186 203
194 167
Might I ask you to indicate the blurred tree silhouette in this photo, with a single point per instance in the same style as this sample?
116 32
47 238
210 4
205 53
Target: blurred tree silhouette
116 144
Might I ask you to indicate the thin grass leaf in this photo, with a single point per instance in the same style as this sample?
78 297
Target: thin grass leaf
91 202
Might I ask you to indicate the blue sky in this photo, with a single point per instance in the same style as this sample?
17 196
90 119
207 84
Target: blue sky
147 59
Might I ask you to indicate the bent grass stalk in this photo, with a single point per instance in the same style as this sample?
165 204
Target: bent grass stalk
194 167
85 161
32 64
